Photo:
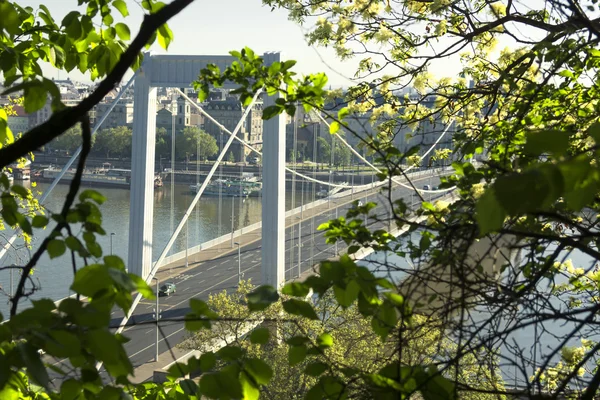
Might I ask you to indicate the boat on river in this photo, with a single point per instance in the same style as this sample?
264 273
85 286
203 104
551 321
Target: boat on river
105 176
230 188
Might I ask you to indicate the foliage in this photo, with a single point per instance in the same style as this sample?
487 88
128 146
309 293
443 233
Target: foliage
193 140
323 151
114 142
344 338
529 113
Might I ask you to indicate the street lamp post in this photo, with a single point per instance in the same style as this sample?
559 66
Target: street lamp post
156 316
239 263
299 246
232 204
111 242
336 242
187 231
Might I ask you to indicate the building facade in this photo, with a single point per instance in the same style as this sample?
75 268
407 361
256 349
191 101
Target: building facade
228 112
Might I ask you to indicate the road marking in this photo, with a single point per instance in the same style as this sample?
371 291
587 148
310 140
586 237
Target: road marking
213 267
187 288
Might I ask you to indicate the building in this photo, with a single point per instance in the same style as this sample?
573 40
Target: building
228 112
121 114
18 123
183 115
306 135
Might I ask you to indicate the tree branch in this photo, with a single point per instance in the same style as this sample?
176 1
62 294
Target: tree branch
66 118
70 199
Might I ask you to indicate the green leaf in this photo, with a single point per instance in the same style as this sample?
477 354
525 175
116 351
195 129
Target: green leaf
74 29
296 289
21 191
10 18
345 297
121 6
142 287
73 243
325 340
230 353
299 307
395 298
260 336
224 384
296 354
343 113
122 31
165 36
194 322
531 190
550 141
34 97
489 214
594 132
91 279
250 390
63 344
39 221
56 248
334 127
70 389
436 387
92 195
261 298
259 370
315 369
208 361
33 364
271 111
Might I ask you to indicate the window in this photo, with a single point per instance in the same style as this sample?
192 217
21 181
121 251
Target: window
180 121
187 121
180 109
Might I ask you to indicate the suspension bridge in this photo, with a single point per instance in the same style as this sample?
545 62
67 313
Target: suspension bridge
281 247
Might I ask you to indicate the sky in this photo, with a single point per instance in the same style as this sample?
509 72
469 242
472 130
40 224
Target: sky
213 27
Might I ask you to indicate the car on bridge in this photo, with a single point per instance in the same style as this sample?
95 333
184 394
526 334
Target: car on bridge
167 289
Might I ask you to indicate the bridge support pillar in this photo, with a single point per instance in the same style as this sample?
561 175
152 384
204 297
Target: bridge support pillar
273 195
142 173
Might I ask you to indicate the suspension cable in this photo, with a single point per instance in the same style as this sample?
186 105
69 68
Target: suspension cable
66 167
183 221
334 185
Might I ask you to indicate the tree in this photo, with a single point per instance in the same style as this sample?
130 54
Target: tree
343 155
163 143
192 140
69 142
323 151
530 114
345 338
114 141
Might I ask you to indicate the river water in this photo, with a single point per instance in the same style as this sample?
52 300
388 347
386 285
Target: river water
170 204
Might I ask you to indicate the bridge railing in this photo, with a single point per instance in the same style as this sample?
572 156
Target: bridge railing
256 226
